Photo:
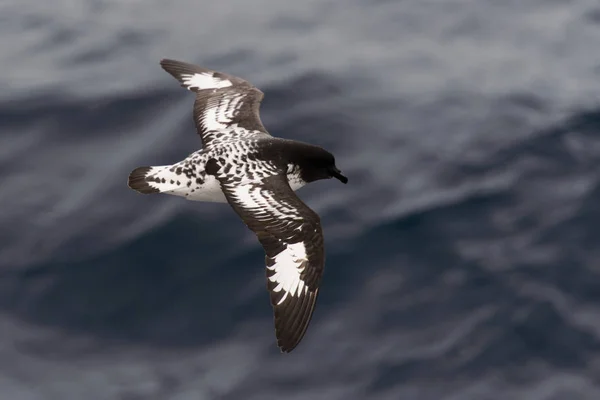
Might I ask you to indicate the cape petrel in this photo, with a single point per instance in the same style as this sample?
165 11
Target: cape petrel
242 164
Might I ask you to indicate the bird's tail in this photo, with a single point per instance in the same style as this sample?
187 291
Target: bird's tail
159 179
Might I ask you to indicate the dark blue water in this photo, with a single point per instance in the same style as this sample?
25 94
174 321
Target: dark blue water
462 257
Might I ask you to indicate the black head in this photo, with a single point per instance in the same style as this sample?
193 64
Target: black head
318 163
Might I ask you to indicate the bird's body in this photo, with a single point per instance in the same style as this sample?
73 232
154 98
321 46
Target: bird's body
243 165
188 178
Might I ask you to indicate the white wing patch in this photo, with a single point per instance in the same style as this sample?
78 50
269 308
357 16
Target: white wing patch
219 112
253 197
204 81
288 266
213 117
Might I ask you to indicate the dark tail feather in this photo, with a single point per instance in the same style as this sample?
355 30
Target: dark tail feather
138 181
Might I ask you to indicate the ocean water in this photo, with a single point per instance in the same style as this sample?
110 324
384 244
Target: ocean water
462 257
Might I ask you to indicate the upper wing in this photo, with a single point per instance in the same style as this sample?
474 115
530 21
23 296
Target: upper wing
226 106
292 238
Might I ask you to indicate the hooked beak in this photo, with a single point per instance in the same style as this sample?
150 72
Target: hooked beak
336 173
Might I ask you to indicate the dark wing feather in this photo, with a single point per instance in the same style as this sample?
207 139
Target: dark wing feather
291 235
226 107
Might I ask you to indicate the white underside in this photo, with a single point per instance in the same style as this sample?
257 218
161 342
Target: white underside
210 192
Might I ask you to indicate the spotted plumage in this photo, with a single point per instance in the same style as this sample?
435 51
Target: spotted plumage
242 164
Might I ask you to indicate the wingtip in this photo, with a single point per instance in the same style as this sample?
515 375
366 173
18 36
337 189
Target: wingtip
168 61
286 346
170 65
286 350
289 336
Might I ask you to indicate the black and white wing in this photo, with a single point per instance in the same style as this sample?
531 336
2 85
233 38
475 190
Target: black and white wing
226 107
292 238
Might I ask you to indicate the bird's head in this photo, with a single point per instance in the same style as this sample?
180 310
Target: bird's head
320 164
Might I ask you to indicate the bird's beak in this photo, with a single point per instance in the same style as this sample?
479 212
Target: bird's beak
336 173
